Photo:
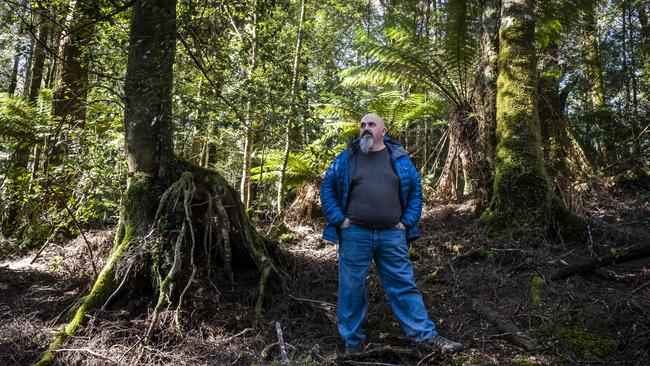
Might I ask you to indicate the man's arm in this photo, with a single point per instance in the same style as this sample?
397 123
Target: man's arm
329 197
411 214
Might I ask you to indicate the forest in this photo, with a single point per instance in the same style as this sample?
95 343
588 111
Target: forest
161 164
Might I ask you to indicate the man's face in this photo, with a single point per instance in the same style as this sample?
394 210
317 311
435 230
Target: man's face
372 126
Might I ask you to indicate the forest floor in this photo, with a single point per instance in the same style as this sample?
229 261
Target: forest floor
476 289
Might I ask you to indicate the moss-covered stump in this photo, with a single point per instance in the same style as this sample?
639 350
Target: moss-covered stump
522 200
172 239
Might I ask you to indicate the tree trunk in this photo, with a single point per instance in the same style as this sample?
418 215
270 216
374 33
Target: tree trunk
13 78
599 115
170 207
245 186
38 62
555 142
294 115
485 93
522 202
72 88
28 67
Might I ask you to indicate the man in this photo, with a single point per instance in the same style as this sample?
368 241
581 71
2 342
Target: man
372 199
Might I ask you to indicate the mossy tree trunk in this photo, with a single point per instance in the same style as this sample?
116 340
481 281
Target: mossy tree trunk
522 200
170 206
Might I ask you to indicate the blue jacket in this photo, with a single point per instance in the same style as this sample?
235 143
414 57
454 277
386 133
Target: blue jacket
336 186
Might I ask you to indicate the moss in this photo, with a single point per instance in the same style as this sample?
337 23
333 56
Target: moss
578 339
431 276
463 360
536 284
589 345
139 189
520 360
413 253
521 199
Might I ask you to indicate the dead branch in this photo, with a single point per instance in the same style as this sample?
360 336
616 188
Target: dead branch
517 335
619 256
283 348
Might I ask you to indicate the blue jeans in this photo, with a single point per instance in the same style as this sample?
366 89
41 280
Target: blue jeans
388 247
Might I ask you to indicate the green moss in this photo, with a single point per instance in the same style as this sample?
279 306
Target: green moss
431 276
578 339
589 345
536 284
521 199
413 253
138 190
463 360
287 238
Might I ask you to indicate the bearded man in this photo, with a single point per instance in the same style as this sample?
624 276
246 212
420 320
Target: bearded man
372 199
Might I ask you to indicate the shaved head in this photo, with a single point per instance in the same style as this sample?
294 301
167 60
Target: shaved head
371 117
371 131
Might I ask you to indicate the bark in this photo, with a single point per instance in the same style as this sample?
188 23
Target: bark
28 67
555 142
600 115
38 62
645 39
622 255
460 173
292 117
522 201
485 97
72 88
245 185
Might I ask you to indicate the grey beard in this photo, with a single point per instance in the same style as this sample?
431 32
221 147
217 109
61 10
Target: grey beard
365 143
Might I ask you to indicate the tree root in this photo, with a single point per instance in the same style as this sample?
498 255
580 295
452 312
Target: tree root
223 211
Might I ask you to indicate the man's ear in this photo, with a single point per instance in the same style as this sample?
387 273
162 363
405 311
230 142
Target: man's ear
383 132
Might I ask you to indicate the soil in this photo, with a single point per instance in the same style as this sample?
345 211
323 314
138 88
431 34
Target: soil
597 318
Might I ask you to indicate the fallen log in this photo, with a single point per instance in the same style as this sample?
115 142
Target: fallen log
506 326
619 256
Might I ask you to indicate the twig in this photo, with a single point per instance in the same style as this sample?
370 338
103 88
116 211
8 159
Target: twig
90 249
641 287
86 350
129 350
283 349
426 358
236 335
117 290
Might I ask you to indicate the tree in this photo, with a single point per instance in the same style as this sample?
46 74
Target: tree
446 72
158 180
522 199
294 113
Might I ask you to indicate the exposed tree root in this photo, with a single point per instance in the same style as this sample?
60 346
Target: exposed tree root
196 191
